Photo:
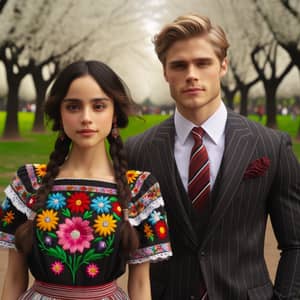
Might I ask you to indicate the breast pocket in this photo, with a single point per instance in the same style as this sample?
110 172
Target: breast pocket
263 292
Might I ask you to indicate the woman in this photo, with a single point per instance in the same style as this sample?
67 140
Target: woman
78 220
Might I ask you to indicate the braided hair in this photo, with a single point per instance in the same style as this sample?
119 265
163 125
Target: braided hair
116 89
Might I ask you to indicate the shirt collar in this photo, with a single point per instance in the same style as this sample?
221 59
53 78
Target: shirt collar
214 126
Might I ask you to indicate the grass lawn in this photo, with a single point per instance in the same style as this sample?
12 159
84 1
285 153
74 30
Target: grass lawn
35 148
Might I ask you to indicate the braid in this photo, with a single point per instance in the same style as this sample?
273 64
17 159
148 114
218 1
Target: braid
24 234
129 236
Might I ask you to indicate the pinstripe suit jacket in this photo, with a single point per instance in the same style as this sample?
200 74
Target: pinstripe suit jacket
230 249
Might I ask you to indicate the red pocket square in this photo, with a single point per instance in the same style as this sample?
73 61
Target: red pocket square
257 168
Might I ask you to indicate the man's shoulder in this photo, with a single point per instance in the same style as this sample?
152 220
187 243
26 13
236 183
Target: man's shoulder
254 126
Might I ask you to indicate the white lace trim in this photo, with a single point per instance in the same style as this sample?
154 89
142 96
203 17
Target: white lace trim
146 212
153 258
17 202
7 245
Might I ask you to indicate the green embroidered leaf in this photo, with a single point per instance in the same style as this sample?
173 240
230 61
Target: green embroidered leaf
116 216
66 212
52 234
99 238
69 194
113 199
87 214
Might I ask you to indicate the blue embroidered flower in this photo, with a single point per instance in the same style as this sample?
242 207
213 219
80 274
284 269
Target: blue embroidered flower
56 201
101 204
154 217
6 204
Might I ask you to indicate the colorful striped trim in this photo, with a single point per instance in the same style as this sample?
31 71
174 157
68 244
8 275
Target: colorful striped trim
54 291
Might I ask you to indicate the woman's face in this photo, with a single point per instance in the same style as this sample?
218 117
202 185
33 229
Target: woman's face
87 113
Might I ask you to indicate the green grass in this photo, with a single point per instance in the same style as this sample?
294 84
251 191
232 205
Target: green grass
35 148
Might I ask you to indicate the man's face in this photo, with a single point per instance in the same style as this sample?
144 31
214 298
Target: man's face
193 72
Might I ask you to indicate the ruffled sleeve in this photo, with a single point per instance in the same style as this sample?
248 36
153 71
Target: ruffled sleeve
148 216
16 207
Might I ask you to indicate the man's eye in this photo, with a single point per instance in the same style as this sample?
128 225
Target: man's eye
178 66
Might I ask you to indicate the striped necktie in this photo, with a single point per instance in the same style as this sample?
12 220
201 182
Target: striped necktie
199 182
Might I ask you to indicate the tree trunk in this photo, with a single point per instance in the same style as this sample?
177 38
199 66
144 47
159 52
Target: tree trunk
41 88
244 101
229 97
11 127
271 110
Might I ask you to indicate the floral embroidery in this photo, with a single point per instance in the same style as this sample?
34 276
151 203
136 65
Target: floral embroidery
161 229
57 267
77 228
92 270
131 176
41 169
56 201
116 208
148 232
78 202
8 218
75 235
154 217
105 225
101 204
47 220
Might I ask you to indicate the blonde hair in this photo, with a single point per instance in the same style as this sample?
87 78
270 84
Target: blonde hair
188 26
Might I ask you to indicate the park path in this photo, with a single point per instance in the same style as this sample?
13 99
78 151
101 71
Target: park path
271 254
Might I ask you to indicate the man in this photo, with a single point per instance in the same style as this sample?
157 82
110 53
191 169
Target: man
217 226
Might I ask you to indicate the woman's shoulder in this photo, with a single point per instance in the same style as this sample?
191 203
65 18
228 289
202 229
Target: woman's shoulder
24 184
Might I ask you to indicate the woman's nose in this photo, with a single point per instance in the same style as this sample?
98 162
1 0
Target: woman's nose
86 117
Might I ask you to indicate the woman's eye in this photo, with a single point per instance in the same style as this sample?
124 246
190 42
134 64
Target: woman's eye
72 107
99 106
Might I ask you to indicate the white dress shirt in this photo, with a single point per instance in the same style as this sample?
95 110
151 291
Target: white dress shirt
214 141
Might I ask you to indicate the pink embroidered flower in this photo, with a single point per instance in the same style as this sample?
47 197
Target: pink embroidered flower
57 267
92 270
75 234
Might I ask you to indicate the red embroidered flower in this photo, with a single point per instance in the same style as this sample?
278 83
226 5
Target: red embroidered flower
257 168
31 200
161 229
78 202
117 208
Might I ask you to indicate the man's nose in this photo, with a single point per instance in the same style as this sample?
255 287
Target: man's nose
192 73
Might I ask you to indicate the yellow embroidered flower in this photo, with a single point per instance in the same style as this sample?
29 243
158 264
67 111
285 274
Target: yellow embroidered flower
47 220
105 225
131 176
148 231
9 217
41 170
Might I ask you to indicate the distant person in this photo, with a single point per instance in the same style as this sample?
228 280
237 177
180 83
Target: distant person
77 221
221 175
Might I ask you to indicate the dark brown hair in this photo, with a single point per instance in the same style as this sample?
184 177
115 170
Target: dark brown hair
116 89
188 26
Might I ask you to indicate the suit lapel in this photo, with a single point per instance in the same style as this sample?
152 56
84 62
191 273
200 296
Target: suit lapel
163 145
240 144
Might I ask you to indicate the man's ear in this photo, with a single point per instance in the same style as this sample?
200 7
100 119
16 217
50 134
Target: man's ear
224 67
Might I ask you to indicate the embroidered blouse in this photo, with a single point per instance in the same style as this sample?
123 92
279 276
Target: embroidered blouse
77 232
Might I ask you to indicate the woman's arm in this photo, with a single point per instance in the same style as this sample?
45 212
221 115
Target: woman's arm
139 282
16 278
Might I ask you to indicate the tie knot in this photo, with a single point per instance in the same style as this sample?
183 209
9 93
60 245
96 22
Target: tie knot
198 133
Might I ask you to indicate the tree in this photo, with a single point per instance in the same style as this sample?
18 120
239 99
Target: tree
268 75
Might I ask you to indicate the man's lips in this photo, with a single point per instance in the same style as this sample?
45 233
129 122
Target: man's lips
193 90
